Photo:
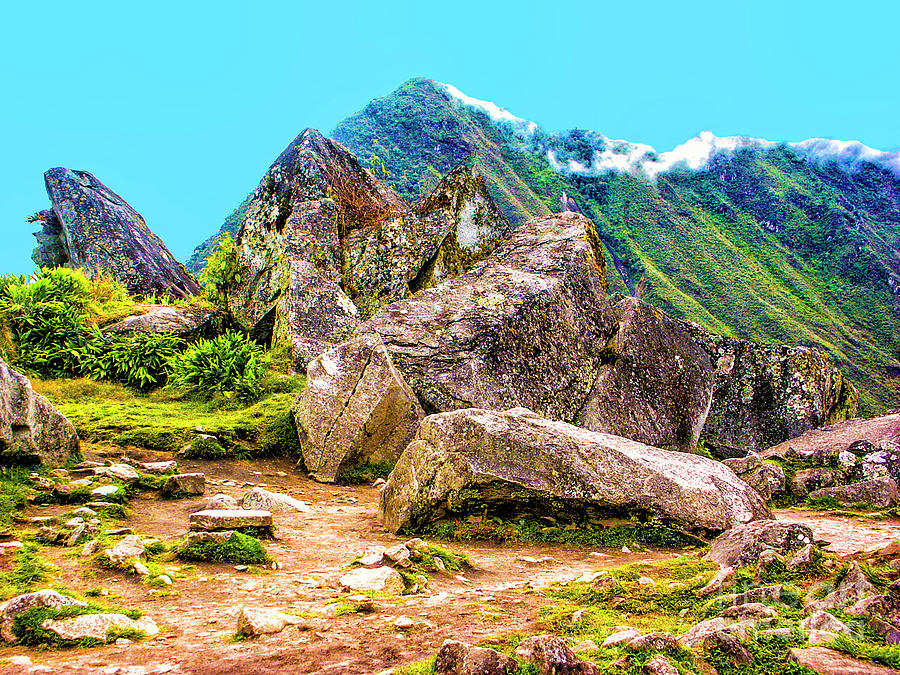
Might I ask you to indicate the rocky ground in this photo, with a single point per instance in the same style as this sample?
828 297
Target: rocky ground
198 615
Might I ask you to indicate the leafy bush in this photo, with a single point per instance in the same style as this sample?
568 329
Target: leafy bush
207 448
222 273
140 361
240 549
228 364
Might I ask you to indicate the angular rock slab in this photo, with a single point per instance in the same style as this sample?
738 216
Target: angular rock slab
822 444
742 545
98 625
186 321
31 429
458 658
92 227
184 484
378 580
356 408
229 520
259 621
657 387
518 464
525 327
766 394
259 499
881 492
829 662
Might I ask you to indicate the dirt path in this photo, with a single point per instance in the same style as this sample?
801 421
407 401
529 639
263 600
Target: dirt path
198 620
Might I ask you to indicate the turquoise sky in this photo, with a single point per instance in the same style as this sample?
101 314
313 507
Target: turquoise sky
181 106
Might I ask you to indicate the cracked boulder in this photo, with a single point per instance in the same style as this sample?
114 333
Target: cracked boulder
90 226
31 429
515 465
356 409
766 394
657 385
188 322
525 327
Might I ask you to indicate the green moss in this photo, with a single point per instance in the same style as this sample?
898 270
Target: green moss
207 448
240 549
30 633
365 473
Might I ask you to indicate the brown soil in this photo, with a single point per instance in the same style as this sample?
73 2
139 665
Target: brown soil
198 620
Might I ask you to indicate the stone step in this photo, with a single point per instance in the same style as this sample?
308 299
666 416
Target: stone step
229 519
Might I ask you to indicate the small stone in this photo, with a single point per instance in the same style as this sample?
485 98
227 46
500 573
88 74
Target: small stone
403 622
19 661
657 641
222 502
122 642
84 511
378 580
130 547
165 579
439 564
379 483
160 467
141 570
625 549
586 646
122 472
620 637
659 665
259 621
646 581
241 568
105 491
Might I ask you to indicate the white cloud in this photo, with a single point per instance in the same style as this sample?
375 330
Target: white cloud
494 111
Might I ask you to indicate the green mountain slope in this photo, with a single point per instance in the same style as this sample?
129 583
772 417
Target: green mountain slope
762 243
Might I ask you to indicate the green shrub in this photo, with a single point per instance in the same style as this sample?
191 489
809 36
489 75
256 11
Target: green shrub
228 364
240 549
222 274
365 473
207 448
140 361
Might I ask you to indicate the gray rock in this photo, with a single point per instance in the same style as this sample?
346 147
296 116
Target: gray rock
823 621
853 588
253 621
658 641
160 467
229 520
742 545
188 322
726 643
697 635
92 227
724 577
750 610
656 387
471 460
222 502
130 547
551 655
377 580
879 464
878 491
31 429
259 499
659 665
766 478
525 327
766 394
97 626
187 484
458 658
809 480
22 603
621 637
122 472
355 408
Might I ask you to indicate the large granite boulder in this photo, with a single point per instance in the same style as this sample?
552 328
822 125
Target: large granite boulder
766 394
515 464
90 226
323 244
355 409
31 429
656 387
188 322
525 327
854 435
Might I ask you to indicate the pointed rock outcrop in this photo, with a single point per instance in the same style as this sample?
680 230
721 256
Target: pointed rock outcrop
323 244
90 226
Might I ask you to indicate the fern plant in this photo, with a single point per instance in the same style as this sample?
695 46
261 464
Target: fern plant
228 364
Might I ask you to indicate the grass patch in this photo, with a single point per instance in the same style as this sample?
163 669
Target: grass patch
112 414
366 472
240 549
29 568
423 667
888 655
207 448
30 633
536 531
15 488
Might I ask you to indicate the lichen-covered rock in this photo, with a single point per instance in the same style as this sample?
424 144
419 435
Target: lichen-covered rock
516 464
22 603
655 386
743 544
188 322
526 327
259 499
458 658
184 484
853 588
378 580
91 227
323 243
881 492
550 655
767 478
859 436
829 662
766 394
805 481
31 429
356 408
253 621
